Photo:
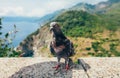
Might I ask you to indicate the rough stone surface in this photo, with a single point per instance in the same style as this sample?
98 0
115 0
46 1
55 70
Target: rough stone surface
37 68
42 68
103 67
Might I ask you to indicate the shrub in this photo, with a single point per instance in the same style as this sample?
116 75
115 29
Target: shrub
88 48
6 47
91 53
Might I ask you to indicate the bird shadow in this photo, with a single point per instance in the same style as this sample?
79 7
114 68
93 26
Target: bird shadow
46 70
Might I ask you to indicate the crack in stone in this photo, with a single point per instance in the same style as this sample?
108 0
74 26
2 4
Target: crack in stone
81 61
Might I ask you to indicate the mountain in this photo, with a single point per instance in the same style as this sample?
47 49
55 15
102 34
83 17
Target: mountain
93 34
113 1
103 7
49 17
83 7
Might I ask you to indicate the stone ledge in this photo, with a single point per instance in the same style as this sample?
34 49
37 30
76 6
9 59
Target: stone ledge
42 68
103 67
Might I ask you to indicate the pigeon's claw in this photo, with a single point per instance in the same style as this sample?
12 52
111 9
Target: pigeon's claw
57 67
67 67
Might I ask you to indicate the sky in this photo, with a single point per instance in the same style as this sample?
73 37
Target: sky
36 8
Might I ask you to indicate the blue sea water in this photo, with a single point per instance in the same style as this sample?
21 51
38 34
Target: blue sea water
24 29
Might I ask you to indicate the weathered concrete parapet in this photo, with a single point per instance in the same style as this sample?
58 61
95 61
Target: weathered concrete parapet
42 68
103 67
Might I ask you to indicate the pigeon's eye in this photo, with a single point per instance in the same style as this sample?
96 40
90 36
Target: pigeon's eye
56 26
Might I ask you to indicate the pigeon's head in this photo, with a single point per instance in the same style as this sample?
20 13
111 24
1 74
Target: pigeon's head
54 27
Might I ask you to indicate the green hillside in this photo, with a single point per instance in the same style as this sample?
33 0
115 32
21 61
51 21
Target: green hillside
93 34
83 24
112 15
102 29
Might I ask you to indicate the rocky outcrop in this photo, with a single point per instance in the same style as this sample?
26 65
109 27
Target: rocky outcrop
40 67
35 42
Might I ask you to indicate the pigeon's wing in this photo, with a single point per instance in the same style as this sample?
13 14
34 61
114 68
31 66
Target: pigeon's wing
70 48
52 50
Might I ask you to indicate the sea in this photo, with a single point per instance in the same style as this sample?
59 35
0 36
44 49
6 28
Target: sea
24 29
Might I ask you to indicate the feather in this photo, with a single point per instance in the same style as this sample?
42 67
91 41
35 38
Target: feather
52 50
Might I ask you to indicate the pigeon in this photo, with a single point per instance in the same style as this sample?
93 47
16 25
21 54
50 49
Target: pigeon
60 46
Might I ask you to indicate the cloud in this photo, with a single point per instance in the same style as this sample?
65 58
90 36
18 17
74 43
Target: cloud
37 12
11 11
50 6
37 8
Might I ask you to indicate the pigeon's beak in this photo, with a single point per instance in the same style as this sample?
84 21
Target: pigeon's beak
51 28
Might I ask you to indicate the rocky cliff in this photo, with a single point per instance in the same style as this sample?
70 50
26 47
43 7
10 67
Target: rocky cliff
36 43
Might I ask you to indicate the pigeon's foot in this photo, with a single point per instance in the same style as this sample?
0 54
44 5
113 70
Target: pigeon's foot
57 67
67 67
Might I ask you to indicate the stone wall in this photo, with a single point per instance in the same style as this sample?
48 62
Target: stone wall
42 68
